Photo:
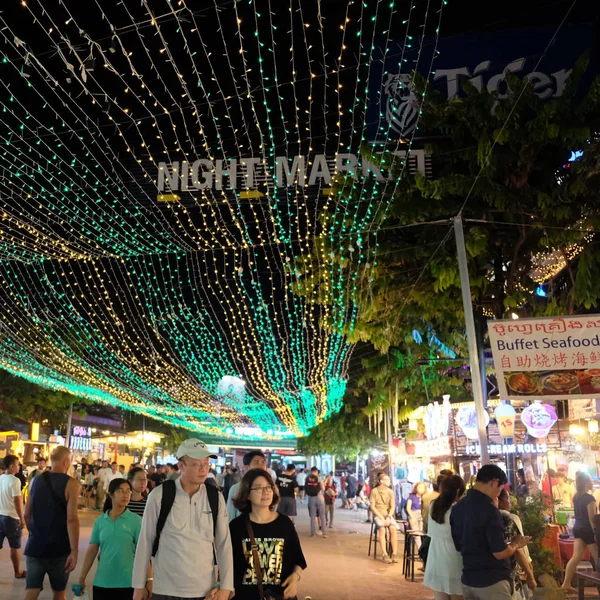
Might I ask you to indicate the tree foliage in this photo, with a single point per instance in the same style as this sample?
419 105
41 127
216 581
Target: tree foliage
344 435
532 513
30 402
530 220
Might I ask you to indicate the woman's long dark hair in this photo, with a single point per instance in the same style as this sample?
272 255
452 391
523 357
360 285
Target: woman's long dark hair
582 483
451 489
113 486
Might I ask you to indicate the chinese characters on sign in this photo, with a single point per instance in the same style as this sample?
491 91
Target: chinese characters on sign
550 358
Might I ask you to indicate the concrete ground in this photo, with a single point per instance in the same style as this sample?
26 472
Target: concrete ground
338 567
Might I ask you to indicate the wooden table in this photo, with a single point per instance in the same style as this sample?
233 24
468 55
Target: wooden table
591 577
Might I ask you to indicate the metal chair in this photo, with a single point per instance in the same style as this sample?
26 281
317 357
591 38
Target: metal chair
411 552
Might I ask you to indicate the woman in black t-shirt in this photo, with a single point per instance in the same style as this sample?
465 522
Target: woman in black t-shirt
585 509
279 551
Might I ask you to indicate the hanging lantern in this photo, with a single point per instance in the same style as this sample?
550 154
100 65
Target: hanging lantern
538 418
446 412
466 419
505 416
593 426
575 429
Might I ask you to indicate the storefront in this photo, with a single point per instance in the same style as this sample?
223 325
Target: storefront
28 443
521 434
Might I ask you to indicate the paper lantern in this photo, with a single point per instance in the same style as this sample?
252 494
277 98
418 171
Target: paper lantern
506 416
539 418
466 419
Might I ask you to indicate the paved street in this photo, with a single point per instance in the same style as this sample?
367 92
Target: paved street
338 567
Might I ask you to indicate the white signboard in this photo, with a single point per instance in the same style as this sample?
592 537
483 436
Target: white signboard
582 409
547 358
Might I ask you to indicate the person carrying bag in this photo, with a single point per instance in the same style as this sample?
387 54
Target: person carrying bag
261 536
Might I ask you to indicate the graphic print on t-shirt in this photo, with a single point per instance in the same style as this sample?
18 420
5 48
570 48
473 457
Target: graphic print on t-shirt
287 485
270 554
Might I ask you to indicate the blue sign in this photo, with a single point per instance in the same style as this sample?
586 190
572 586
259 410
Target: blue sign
480 58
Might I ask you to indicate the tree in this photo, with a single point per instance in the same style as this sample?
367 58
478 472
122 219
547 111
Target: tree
530 213
30 402
345 435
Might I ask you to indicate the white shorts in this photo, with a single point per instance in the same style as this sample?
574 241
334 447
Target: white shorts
380 523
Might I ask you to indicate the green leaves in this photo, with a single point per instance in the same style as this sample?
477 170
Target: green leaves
525 221
344 435
27 401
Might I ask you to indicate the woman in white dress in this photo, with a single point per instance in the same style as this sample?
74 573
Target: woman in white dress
443 569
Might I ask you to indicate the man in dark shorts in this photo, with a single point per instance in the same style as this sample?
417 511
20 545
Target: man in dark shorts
301 479
286 482
11 512
350 490
53 523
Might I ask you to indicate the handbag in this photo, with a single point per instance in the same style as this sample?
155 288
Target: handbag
270 594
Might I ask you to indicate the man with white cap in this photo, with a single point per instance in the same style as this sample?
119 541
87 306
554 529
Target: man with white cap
185 529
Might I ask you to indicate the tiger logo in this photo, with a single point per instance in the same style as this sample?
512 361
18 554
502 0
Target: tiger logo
402 105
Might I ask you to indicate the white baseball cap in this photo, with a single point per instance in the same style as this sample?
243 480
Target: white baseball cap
194 448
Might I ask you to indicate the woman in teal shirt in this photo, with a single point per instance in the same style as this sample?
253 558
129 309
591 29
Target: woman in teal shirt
115 535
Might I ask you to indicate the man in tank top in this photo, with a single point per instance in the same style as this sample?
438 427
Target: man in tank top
53 524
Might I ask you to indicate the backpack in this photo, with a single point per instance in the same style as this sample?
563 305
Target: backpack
168 498
312 486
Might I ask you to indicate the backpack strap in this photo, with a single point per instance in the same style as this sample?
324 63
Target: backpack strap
213 500
168 498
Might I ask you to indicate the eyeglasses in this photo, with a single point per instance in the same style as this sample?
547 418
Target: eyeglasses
123 490
199 465
262 489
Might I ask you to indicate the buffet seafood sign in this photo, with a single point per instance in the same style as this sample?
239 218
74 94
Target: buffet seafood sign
547 358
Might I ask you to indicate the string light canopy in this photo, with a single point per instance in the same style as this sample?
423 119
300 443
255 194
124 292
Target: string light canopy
163 165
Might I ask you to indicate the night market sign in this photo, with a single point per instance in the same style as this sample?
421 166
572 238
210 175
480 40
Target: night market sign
498 449
549 358
250 172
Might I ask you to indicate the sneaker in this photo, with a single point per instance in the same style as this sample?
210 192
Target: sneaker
395 558
312 535
319 532
325 535
386 559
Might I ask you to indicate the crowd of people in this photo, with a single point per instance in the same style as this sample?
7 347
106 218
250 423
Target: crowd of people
477 549
163 534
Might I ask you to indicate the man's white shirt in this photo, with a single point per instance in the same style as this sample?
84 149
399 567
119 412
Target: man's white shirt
112 476
104 476
10 488
232 511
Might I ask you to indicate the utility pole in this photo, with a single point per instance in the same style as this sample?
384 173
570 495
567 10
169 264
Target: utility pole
471 338
69 422
143 439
